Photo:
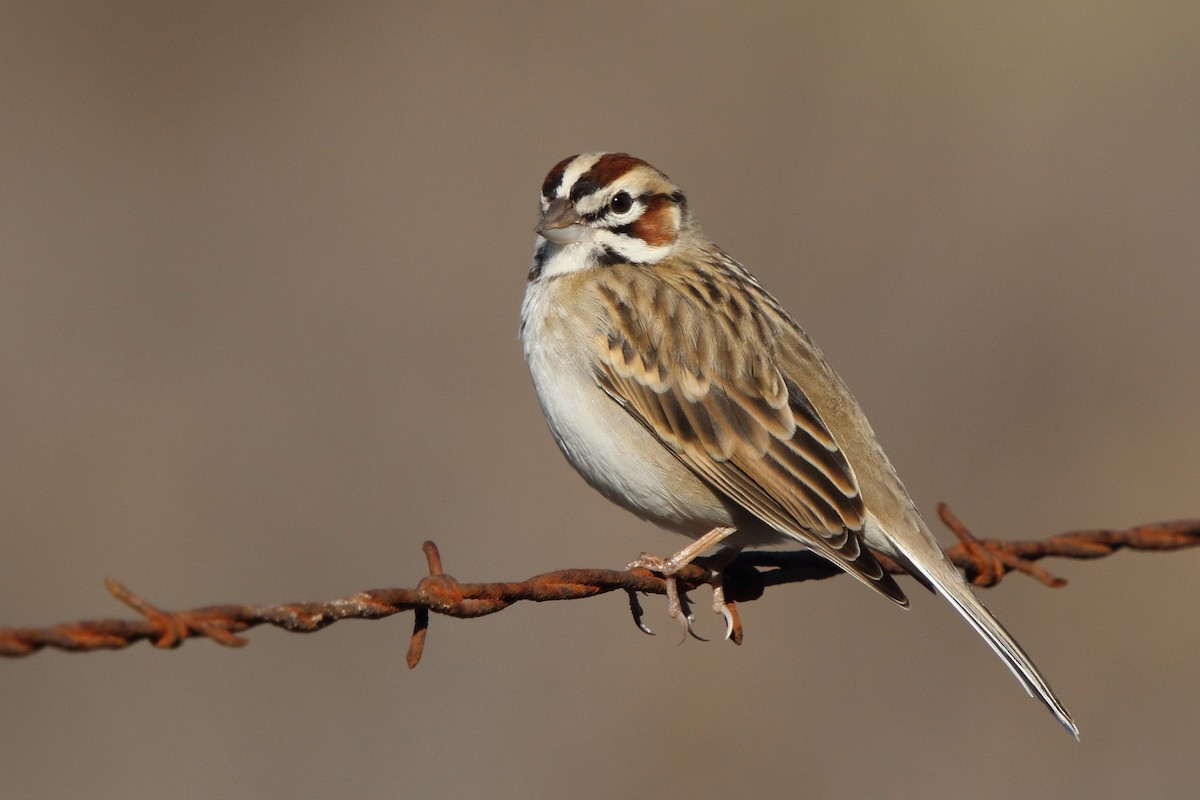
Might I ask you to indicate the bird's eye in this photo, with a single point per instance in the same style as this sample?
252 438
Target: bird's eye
620 202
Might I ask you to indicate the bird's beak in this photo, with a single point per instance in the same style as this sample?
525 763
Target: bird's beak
562 224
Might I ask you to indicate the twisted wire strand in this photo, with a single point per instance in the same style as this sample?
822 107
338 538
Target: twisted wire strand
984 561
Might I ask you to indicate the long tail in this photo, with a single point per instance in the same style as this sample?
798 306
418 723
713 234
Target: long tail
949 582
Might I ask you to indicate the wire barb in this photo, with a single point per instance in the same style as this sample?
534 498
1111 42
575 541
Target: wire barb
984 561
987 562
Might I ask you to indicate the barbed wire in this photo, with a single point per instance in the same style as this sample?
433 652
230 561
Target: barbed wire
984 561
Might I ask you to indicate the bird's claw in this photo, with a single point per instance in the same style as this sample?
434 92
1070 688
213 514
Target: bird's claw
635 608
679 608
677 602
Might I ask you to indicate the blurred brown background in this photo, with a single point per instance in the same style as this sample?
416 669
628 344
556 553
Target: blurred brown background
260 270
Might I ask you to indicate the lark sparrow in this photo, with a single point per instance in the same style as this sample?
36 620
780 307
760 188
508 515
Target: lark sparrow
681 390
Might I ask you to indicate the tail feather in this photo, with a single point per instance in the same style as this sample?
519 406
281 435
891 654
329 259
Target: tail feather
950 584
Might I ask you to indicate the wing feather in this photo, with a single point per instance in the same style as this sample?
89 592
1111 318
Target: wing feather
733 417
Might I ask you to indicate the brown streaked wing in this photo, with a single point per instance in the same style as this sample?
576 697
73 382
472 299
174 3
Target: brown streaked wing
735 420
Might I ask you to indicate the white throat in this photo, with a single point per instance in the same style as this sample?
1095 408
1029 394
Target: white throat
562 259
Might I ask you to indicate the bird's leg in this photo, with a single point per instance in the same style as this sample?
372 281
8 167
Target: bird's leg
670 567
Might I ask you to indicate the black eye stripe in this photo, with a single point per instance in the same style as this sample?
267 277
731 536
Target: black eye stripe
582 188
644 200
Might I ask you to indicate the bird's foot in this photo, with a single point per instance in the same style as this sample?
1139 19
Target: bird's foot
678 606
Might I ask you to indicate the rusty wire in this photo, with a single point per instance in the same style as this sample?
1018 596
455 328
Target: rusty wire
984 561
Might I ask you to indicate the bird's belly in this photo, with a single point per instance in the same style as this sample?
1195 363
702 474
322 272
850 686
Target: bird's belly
614 453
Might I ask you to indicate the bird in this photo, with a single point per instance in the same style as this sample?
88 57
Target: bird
680 389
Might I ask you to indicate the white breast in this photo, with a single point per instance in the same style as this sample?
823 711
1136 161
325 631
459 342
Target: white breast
605 444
